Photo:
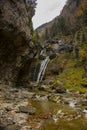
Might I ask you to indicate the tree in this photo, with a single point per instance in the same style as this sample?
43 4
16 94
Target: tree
62 24
54 30
46 36
81 12
83 55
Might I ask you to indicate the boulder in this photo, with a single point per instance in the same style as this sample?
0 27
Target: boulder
27 109
52 56
58 87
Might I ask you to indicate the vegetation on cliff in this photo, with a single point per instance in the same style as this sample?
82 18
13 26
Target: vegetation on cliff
71 27
16 40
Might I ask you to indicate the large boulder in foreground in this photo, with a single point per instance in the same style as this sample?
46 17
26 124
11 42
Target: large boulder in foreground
16 44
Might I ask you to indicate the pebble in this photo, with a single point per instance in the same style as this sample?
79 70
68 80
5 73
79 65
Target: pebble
15 108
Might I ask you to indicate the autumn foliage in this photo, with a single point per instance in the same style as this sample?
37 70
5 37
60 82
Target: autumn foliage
82 9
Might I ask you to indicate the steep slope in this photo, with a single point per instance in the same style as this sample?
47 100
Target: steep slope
42 29
72 17
16 43
69 29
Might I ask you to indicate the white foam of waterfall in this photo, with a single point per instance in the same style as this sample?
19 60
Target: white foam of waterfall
41 53
85 110
72 104
42 69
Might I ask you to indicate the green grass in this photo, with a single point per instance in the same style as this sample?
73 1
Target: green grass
72 76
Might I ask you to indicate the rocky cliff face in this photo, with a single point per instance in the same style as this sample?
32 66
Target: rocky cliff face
16 44
67 21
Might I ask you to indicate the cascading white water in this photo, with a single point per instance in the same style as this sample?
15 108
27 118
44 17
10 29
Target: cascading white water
42 69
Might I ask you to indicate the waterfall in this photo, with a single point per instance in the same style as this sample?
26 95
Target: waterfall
42 69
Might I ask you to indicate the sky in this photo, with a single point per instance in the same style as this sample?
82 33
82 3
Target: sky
47 10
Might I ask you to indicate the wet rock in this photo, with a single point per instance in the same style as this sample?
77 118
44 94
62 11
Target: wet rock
52 56
27 109
41 57
61 90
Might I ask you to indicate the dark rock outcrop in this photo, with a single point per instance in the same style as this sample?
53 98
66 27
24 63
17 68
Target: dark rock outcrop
2 127
16 44
59 88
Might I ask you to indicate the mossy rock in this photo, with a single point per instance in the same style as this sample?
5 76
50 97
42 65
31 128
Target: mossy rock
58 87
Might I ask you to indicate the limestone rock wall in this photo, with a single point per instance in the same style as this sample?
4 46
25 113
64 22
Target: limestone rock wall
16 47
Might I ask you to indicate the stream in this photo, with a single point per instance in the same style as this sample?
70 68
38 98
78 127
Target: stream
59 112
42 110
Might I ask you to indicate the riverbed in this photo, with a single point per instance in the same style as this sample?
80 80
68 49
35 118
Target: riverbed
60 112
22 109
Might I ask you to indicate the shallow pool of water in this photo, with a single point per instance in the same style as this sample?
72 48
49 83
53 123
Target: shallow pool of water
57 116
